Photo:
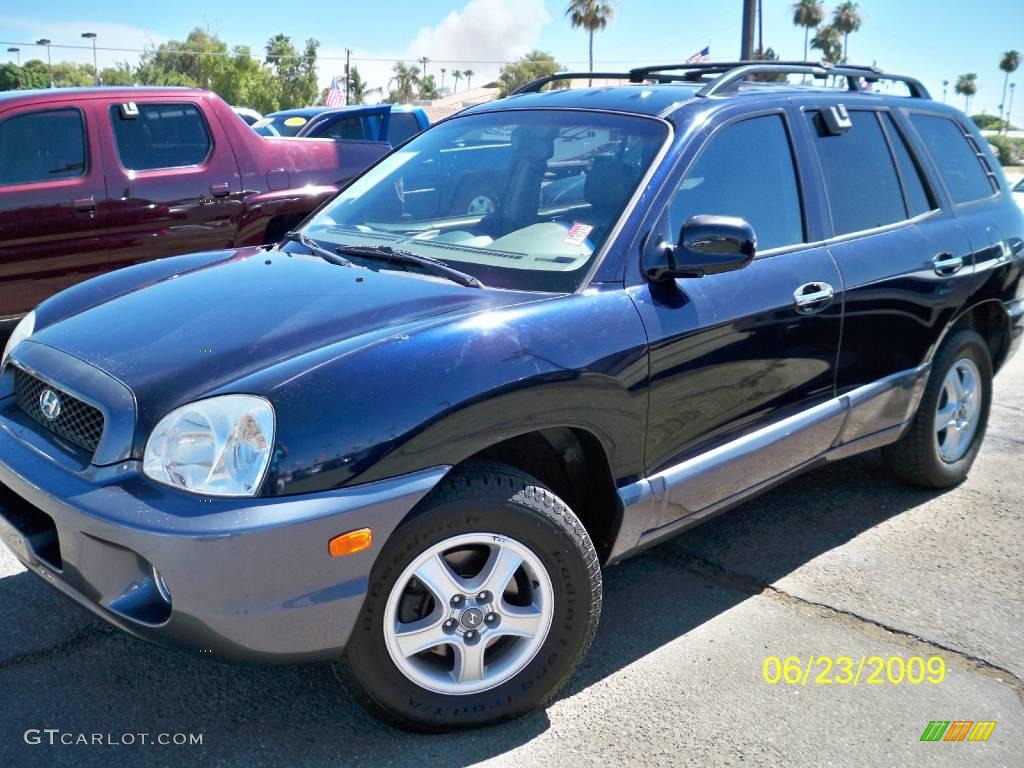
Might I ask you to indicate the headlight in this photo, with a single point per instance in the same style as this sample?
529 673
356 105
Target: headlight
220 446
21 332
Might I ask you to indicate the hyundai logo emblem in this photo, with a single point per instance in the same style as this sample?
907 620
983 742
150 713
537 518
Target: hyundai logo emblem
49 404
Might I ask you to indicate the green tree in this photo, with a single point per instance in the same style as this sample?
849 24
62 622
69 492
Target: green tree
808 14
428 88
1009 64
967 86
406 80
121 73
35 74
533 65
358 89
768 54
829 41
846 19
591 15
10 76
295 72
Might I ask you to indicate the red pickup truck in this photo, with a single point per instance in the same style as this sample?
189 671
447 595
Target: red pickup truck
93 179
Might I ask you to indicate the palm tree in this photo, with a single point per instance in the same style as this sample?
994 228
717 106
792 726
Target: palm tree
967 86
827 40
945 85
358 89
406 80
846 19
469 77
591 15
456 76
443 70
1009 64
808 14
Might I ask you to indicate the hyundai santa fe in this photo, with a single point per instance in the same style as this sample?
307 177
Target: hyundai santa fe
409 442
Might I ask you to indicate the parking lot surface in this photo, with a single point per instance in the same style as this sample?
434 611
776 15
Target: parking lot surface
843 561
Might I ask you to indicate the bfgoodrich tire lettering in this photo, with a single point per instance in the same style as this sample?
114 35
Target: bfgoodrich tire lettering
481 498
918 456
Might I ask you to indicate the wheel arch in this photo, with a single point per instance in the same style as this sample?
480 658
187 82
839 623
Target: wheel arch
990 320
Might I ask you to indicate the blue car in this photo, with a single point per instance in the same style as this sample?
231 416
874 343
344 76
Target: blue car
409 440
380 122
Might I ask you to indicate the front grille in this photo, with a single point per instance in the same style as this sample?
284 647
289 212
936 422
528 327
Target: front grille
77 422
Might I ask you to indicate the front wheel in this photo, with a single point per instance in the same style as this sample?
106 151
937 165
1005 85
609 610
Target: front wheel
944 438
480 607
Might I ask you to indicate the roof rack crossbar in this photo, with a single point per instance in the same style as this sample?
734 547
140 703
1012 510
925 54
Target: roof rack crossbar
534 86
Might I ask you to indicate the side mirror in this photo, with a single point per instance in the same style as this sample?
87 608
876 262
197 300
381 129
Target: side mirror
707 245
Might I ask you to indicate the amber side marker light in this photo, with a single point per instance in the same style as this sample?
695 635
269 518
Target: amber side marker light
351 542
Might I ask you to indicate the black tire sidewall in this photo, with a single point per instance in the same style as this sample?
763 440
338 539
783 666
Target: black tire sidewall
964 344
368 658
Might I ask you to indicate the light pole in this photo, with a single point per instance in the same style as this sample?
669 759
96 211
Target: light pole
1009 110
17 52
95 66
49 64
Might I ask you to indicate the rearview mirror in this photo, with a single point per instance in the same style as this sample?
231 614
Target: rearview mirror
707 245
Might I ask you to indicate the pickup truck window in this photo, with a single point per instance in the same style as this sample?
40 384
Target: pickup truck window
365 128
747 170
403 125
526 237
859 174
958 159
42 146
161 136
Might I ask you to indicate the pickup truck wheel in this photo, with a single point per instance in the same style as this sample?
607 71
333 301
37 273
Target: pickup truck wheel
479 607
944 438
475 201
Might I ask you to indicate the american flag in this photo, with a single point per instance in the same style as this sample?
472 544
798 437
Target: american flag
335 95
703 56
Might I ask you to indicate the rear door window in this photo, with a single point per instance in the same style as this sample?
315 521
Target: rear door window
160 136
959 159
42 146
747 171
356 128
860 178
402 126
919 199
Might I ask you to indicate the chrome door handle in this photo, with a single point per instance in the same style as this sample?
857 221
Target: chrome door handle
84 204
946 264
813 297
220 190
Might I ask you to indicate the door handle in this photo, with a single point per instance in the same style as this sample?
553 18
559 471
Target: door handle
84 204
813 297
946 264
220 190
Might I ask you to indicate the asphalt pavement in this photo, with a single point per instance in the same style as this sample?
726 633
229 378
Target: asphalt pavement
843 561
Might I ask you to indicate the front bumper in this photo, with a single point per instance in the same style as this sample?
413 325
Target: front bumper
243 579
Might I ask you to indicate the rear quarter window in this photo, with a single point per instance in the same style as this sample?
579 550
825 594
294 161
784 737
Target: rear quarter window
402 126
960 161
160 136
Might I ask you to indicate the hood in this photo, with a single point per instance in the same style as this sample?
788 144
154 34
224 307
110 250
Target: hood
181 337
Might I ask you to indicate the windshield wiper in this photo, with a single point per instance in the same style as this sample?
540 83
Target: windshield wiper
433 266
327 255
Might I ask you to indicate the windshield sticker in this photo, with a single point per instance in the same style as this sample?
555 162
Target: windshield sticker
577 234
291 122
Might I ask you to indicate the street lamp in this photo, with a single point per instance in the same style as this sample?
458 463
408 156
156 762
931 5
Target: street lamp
95 66
17 52
49 65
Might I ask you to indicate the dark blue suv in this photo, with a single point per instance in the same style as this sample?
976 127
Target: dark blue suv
408 440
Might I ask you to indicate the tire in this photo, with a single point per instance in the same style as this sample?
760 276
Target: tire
475 200
917 458
491 514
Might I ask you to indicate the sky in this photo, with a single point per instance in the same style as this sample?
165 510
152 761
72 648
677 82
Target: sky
934 40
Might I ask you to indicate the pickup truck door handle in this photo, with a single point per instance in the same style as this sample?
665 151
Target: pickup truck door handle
813 297
946 264
220 190
84 204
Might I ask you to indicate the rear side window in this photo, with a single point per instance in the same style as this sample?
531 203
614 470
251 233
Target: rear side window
860 177
350 129
42 146
160 136
747 170
958 158
402 126
919 200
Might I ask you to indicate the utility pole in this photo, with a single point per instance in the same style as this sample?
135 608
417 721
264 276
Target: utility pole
17 52
747 40
95 66
348 59
49 64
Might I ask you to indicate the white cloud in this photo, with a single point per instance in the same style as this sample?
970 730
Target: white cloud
483 31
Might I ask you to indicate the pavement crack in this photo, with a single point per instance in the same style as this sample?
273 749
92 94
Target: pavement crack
741 582
82 637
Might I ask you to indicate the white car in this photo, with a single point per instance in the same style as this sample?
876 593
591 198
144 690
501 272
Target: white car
249 115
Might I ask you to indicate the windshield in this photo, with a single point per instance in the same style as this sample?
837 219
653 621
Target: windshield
520 200
280 125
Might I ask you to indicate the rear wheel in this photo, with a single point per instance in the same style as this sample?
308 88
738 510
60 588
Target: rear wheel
944 438
480 607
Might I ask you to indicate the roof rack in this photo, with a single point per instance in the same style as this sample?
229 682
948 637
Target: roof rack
730 73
